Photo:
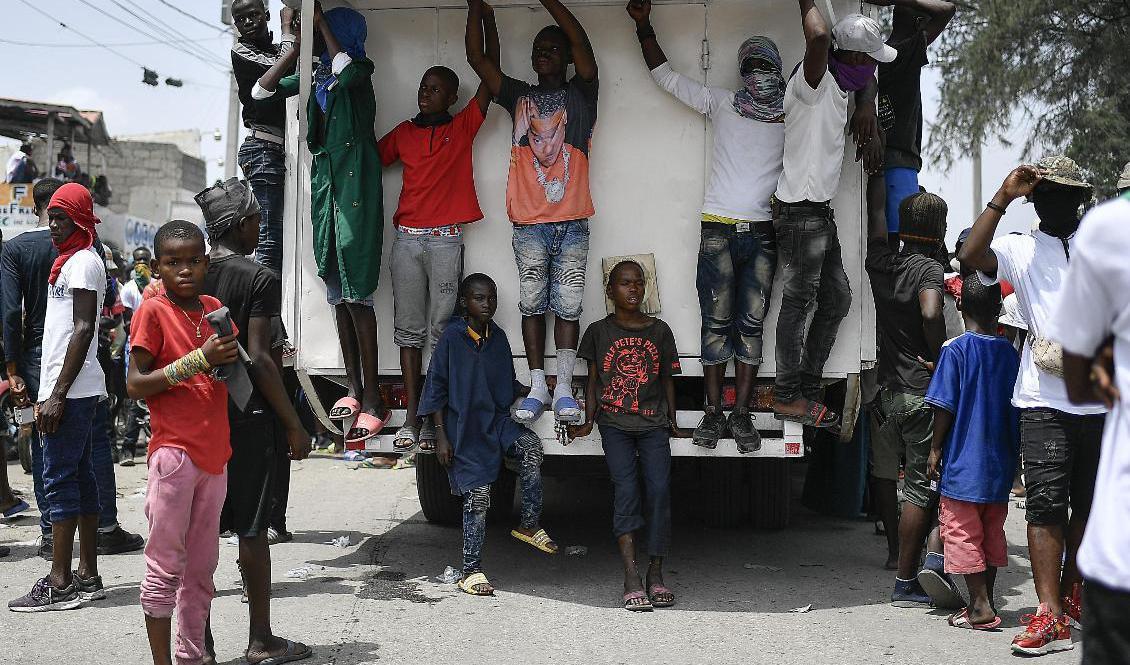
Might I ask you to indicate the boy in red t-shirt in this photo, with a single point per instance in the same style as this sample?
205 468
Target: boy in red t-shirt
437 198
174 347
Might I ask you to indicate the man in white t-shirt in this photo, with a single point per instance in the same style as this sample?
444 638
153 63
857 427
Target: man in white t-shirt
71 384
1059 440
835 63
1094 305
737 255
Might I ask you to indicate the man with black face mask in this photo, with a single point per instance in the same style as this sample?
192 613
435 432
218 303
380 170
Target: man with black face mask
1059 440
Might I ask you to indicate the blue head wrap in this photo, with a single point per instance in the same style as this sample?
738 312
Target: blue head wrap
348 27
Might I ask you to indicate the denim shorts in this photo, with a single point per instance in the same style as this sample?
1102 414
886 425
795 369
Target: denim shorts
734 278
551 259
1061 460
333 287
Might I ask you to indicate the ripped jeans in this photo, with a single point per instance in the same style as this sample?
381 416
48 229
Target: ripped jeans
524 457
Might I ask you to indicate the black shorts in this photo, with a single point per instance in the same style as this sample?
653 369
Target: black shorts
1061 459
255 437
1106 631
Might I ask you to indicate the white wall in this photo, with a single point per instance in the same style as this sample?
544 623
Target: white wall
649 162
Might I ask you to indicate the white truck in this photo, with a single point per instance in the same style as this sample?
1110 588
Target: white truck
650 161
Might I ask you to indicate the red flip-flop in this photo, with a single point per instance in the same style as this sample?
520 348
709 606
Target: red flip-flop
365 427
345 408
960 619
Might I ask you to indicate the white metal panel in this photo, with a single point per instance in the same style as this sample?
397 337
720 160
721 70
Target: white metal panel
648 162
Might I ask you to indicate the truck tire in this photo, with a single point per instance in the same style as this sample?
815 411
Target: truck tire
769 493
439 505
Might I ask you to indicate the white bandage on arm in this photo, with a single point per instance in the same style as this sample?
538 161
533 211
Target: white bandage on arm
340 62
259 92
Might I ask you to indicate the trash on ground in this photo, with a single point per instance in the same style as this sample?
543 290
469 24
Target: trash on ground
340 541
353 456
234 540
303 572
758 566
449 576
802 610
576 550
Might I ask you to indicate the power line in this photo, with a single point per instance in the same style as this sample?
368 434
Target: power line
165 29
89 39
146 34
193 17
100 45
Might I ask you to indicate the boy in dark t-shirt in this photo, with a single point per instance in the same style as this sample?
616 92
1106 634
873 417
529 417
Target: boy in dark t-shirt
547 193
268 421
632 359
917 23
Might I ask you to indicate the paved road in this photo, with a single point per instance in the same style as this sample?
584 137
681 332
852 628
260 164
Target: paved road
377 600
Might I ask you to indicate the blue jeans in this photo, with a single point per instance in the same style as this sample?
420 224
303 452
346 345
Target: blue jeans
525 457
551 259
264 167
901 183
812 274
735 275
68 467
101 457
653 450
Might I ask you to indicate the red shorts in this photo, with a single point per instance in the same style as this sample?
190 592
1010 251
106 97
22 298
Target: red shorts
973 535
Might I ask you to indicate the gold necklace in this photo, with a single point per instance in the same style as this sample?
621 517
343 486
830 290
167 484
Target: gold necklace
186 316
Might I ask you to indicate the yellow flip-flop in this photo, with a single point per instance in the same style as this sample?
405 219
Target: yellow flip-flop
468 584
540 540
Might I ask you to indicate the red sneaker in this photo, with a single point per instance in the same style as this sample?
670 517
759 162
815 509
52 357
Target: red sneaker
1045 633
1073 607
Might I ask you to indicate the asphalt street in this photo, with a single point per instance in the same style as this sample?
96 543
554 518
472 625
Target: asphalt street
378 601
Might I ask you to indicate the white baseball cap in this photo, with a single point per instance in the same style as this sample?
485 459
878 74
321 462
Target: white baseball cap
856 32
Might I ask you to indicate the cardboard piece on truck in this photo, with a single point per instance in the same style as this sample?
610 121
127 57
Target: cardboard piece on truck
651 304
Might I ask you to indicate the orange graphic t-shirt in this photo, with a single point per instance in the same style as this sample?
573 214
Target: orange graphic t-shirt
549 154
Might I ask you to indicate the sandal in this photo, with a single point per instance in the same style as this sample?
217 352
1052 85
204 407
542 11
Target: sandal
408 434
637 601
428 436
19 507
366 427
345 408
818 416
567 410
654 593
472 584
539 540
529 410
294 651
960 619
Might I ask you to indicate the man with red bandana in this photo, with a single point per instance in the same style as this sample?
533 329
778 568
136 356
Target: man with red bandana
71 384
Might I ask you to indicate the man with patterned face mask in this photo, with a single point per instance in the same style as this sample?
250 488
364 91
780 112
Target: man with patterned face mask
738 251
1059 440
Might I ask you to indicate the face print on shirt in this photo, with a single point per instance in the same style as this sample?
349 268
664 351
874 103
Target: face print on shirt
544 133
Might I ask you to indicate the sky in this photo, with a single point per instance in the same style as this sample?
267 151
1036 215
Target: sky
65 68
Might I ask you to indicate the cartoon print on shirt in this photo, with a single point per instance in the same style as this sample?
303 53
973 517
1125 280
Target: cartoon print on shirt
634 361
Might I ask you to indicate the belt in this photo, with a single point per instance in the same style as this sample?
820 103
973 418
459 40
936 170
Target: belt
265 136
802 205
739 227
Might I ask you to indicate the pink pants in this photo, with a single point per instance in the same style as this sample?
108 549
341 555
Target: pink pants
183 507
973 535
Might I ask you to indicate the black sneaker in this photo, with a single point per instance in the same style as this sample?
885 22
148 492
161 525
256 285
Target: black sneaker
745 433
275 536
44 598
46 548
119 541
89 588
711 428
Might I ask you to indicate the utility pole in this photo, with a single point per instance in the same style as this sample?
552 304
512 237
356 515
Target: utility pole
233 100
977 207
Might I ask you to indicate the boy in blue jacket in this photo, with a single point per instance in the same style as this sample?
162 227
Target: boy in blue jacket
470 387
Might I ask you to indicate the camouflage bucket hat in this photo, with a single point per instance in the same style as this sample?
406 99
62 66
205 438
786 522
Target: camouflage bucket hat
1124 179
1062 171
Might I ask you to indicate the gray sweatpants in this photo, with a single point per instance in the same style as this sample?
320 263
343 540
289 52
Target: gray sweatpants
426 270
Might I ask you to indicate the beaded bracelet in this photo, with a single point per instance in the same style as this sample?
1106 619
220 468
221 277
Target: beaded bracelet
186 367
